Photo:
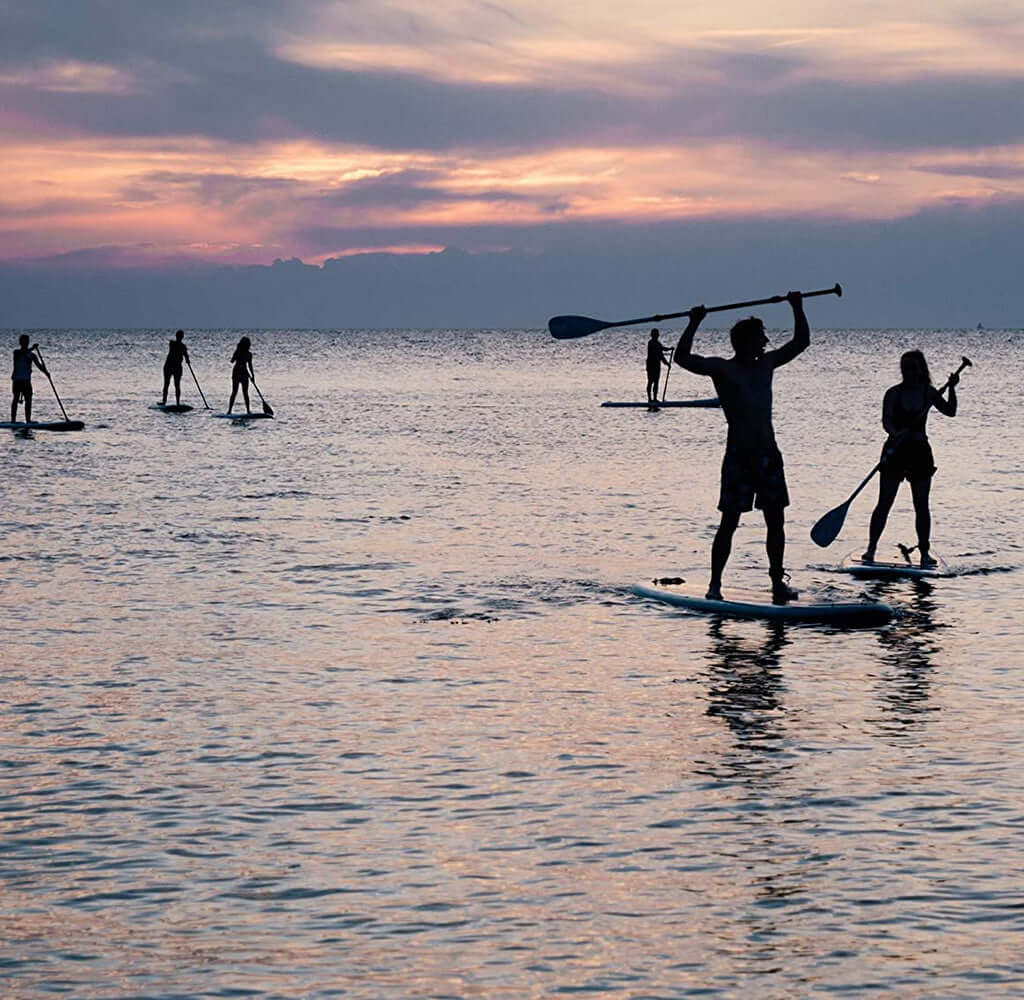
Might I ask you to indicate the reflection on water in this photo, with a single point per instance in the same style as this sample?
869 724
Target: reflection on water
745 683
910 650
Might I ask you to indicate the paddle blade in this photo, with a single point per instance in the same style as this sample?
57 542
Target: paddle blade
268 409
571 327
827 529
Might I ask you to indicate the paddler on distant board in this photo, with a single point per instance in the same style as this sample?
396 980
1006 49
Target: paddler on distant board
657 355
177 353
752 469
907 453
21 377
241 372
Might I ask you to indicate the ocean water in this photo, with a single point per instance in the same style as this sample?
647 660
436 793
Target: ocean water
357 702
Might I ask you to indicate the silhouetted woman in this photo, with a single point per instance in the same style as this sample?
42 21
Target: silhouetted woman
907 453
241 372
177 352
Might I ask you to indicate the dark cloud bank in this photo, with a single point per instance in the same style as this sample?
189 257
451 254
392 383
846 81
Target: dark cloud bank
949 267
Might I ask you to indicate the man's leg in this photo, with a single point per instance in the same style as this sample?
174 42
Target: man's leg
15 394
177 388
775 540
26 395
720 549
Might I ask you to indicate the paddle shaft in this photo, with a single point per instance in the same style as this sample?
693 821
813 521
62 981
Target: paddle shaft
570 327
198 386
827 528
52 386
267 408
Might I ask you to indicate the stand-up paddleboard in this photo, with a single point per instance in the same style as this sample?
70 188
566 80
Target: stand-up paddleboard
243 416
752 604
712 401
171 407
855 566
53 425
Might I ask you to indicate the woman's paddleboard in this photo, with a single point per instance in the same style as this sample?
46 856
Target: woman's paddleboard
171 407
711 401
855 566
751 604
54 425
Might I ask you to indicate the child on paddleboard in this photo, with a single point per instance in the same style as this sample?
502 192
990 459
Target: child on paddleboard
907 454
21 377
752 468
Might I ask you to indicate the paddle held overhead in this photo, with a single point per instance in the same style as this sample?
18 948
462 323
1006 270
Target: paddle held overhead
571 327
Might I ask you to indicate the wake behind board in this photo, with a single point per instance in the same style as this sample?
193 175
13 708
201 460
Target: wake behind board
171 407
712 401
243 416
752 604
855 566
53 425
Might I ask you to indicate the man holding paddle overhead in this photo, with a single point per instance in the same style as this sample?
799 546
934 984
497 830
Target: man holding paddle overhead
752 469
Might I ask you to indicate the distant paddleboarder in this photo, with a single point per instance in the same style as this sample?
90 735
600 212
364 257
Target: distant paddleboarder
241 372
21 377
177 353
657 355
907 453
752 469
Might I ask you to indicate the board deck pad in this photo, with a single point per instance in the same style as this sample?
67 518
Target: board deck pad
171 407
52 425
739 603
243 416
854 565
667 404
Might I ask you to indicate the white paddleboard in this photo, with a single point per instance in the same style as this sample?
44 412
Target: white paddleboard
171 407
243 416
668 404
53 425
753 604
855 566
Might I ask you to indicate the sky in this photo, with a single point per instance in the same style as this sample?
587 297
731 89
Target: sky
189 135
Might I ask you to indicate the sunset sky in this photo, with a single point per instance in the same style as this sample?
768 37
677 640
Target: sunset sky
238 131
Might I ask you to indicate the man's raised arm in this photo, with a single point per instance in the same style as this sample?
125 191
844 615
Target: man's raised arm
801 333
684 355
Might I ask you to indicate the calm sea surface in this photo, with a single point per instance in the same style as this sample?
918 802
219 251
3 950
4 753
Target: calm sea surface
357 702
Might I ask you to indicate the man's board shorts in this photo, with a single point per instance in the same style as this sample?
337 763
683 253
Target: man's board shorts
21 386
752 477
911 460
172 368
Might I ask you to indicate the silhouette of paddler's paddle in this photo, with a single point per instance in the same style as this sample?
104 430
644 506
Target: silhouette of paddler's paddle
35 347
571 327
827 528
198 386
267 408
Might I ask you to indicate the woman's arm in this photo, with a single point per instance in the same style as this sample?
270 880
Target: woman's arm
946 406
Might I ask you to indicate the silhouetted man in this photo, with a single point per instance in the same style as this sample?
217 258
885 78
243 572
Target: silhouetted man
21 378
656 357
177 352
752 469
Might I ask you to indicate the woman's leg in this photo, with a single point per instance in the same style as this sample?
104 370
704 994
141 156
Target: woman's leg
921 489
234 392
245 395
888 487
